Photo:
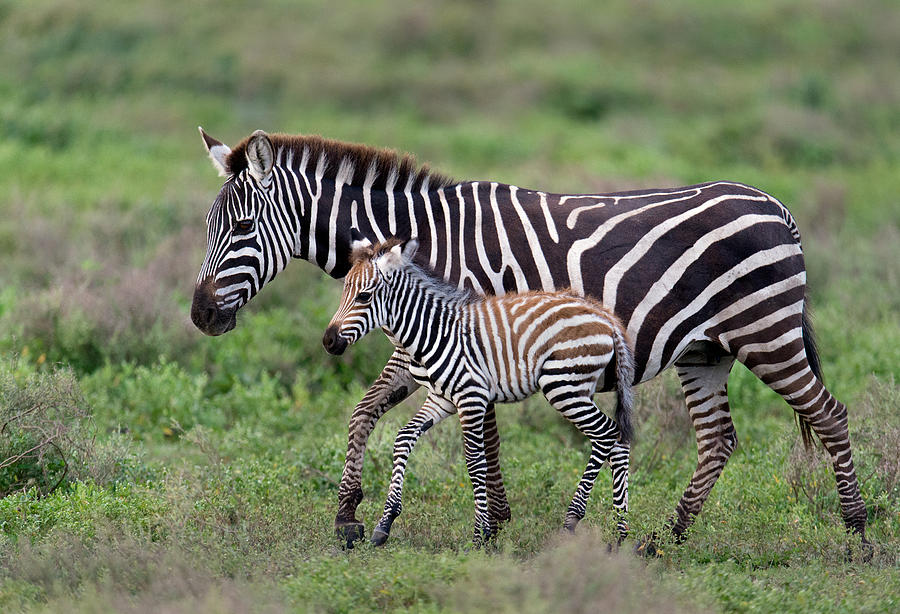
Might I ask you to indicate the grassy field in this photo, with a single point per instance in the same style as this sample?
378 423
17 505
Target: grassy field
199 474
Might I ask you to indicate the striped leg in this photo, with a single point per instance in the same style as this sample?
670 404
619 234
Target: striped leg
498 506
393 385
577 405
433 411
705 389
618 465
472 411
795 381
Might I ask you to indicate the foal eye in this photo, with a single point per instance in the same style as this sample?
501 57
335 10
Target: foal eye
243 226
363 297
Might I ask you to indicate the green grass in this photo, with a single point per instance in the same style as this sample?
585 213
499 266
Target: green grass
209 475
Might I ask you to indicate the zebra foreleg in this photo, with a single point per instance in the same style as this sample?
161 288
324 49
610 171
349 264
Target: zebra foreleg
705 389
433 411
498 506
471 418
391 387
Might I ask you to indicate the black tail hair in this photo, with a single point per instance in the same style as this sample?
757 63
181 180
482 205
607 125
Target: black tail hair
624 377
812 357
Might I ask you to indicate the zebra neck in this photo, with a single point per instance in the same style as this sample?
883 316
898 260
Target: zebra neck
422 314
335 207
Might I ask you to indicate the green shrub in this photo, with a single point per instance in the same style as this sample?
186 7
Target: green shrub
44 430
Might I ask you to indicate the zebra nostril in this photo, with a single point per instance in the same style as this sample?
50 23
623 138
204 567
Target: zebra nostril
210 315
328 338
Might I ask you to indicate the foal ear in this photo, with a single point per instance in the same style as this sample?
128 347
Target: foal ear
390 260
358 244
410 248
260 156
218 152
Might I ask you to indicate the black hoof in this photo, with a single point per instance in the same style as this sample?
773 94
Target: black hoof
350 532
379 537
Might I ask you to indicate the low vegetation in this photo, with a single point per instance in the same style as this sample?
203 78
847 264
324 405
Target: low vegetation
145 468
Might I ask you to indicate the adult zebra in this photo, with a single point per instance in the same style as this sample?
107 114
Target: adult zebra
701 276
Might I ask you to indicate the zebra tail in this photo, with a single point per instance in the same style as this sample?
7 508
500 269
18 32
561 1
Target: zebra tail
624 378
812 357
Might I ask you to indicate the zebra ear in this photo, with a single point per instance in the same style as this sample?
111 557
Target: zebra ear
260 156
410 248
218 152
391 260
358 244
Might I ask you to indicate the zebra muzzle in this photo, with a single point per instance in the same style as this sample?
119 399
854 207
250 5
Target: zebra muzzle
333 342
206 314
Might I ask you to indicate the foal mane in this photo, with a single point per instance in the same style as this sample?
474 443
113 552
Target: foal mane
427 277
384 163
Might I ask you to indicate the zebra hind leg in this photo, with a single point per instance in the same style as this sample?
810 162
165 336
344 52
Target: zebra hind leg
816 408
578 407
618 464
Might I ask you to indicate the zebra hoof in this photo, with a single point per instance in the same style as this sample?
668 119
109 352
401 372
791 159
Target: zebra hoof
350 532
379 537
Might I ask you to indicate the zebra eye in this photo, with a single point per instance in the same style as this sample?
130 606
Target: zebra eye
363 297
243 226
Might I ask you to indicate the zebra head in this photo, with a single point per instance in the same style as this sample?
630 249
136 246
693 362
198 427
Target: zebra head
365 301
248 240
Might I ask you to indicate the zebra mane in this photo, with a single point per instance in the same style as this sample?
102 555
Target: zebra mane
429 280
426 277
384 163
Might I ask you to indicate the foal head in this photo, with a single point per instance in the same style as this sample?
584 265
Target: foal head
364 303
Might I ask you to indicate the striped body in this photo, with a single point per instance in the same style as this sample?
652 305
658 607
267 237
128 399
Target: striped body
700 276
471 352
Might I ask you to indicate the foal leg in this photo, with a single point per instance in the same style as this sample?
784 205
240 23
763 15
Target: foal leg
576 403
498 506
618 464
472 412
433 411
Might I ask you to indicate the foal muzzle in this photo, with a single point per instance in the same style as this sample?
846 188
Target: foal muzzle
333 342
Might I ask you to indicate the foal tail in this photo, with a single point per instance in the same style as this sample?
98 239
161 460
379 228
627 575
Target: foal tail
624 378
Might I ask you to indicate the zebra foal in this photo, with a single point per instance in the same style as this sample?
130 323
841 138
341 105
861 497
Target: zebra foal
472 352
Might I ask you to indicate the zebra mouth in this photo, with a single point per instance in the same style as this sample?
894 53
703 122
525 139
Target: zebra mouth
218 322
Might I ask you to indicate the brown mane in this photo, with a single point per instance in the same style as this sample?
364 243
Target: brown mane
363 157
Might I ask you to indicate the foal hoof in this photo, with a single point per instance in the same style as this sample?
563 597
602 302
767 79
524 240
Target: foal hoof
349 532
379 537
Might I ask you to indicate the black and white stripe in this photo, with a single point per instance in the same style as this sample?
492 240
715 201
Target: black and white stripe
472 351
700 275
